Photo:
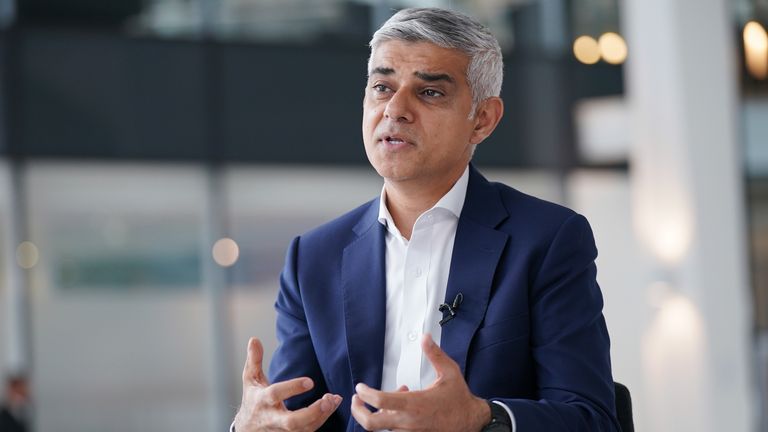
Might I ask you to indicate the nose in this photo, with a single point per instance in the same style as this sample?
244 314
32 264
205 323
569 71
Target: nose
399 107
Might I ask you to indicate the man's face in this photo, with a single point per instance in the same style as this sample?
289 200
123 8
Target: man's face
416 124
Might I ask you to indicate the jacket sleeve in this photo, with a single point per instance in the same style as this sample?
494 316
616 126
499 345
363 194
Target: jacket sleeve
295 355
569 340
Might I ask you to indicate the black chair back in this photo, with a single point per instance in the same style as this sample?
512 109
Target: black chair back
624 407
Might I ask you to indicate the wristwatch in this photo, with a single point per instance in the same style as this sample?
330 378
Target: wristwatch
500 421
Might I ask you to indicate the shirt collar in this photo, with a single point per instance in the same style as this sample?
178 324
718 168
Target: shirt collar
452 201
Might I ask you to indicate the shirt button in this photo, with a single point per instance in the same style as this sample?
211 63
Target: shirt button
417 272
412 336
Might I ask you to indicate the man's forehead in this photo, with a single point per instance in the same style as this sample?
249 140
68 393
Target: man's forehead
426 57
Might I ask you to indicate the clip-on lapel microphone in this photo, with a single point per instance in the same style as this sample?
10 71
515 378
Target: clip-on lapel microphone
450 308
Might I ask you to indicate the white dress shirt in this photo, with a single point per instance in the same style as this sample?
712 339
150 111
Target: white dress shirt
417 278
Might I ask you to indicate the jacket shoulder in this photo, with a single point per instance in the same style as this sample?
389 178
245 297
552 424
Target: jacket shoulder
529 211
341 229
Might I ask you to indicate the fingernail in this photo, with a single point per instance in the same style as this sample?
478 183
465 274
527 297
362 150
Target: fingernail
325 406
307 384
336 400
359 387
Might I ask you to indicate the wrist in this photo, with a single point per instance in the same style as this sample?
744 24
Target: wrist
482 415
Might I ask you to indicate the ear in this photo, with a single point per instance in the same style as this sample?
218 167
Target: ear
486 118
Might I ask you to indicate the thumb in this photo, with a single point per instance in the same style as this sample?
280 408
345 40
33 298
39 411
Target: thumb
443 364
253 370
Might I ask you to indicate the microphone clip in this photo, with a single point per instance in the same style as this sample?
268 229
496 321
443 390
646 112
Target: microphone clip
451 309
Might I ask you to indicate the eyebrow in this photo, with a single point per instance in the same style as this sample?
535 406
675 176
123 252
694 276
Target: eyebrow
434 77
381 71
421 75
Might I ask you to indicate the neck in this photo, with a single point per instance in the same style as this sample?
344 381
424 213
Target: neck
406 201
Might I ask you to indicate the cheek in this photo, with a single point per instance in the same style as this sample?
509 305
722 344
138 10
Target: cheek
371 118
460 127
450 137
446 129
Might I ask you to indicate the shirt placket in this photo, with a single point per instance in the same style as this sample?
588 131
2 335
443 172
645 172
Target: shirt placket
416 270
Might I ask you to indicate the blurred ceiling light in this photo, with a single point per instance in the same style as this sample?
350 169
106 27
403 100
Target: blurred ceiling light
674 363
667 233
586 50
27 255
662 206
225 252
672 239
613 48
756 50
680 319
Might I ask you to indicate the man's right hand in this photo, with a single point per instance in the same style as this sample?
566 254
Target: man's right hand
262 407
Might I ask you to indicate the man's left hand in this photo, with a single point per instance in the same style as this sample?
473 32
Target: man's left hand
446 405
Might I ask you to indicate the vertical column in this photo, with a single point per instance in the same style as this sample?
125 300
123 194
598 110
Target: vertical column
554 26
689 213
214 276
215 286
15 320
553 39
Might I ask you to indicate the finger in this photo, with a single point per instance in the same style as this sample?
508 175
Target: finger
382 400
361 413
374 420
314 415
253 371
281 391
443 364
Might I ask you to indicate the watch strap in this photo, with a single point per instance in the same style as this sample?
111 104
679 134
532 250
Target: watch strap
500 421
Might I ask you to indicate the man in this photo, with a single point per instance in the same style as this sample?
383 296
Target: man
14 410
448 303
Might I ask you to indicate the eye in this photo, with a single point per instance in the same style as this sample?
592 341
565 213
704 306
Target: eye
432 93
379 88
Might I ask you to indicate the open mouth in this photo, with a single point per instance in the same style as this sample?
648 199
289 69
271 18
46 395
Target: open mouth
394 140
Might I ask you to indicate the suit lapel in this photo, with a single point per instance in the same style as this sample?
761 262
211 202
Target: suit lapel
364 291
476 252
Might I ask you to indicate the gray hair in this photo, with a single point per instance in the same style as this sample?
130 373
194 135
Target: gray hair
450 29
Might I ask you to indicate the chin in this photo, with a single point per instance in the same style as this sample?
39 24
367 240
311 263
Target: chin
397 174
396 167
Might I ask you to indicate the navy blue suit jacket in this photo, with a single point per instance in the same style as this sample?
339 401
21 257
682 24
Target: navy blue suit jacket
529 333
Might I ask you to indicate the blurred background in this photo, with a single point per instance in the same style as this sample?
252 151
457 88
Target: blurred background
157 156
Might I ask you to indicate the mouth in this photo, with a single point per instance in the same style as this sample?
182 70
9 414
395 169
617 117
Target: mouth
395 140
